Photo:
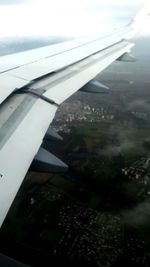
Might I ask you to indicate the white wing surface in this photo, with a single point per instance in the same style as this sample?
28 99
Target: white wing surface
33 84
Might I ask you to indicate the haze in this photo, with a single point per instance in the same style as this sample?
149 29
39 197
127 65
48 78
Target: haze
65 18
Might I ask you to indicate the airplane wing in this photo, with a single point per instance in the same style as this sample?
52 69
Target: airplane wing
33 85
6 261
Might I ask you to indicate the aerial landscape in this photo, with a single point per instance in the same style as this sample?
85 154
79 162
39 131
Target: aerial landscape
97 213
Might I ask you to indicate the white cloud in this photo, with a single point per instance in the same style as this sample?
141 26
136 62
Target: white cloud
13 2
64 17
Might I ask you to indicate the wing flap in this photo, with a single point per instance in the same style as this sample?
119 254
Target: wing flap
17 60
76 76
25 67
19 149
54 63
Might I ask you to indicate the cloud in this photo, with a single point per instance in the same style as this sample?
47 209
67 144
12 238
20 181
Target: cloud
13 2
139 105
123 142
140 215
64 17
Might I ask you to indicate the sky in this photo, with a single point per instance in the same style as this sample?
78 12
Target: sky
65 17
